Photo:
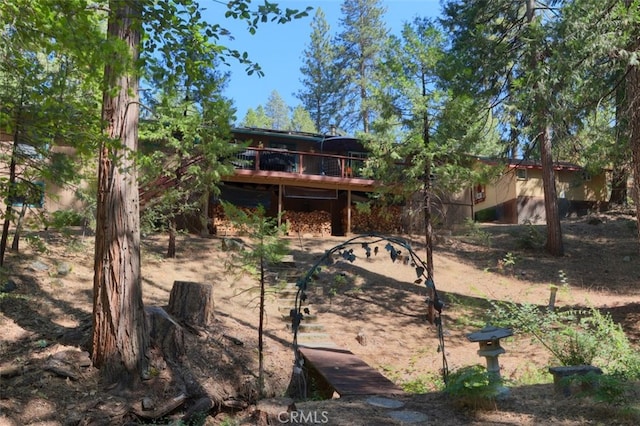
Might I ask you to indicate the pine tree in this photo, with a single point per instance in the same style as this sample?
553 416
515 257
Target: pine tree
301 121
48 91
277 111
257 118
515 48
322 84
360 43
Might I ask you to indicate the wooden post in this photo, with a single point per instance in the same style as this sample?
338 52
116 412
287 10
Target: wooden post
280 189
192 303
349 212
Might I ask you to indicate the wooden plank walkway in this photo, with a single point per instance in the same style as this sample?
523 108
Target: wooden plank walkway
346 373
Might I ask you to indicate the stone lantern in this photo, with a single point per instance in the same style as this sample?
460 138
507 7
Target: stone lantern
489 340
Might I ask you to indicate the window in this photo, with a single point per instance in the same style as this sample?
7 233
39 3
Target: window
29 193
521 174
479 193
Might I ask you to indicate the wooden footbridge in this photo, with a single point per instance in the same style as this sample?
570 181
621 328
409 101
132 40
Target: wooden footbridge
339 370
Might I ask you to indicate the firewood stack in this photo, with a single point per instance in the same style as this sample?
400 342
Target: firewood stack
223 226
382 219
317 223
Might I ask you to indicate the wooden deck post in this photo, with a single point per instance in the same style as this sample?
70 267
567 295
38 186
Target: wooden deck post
349 212
280 190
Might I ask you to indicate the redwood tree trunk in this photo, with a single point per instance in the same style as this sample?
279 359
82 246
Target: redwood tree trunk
632 105
120 335
633 92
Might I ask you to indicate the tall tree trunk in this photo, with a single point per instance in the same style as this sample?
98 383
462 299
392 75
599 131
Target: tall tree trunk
261 388
633 93
364 103
427 183
15 245
120 334
8 216
554 243
619 178
619 158
171 247
428 222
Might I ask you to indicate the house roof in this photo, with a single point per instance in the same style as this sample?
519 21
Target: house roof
341 143
324 142
285 134
515 163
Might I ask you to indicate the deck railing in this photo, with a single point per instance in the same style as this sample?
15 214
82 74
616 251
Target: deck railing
305 163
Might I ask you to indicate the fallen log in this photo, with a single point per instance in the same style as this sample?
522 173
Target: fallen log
160 410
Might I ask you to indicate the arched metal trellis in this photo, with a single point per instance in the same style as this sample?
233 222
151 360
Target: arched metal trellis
397 248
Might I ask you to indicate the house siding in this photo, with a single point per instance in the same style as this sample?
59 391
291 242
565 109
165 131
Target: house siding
515 200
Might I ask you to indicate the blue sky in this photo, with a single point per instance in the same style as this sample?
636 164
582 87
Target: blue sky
278 48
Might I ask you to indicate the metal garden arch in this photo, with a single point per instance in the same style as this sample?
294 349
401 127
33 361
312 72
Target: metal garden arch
395 247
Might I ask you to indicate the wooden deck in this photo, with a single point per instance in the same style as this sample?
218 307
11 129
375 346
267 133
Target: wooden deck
345 373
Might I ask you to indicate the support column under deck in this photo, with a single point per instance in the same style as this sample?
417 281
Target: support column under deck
348 212
280 191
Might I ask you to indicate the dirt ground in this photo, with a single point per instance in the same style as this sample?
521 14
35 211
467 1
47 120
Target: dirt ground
371 300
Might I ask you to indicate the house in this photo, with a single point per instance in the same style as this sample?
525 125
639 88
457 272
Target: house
35 191
312 178
297 173
517 196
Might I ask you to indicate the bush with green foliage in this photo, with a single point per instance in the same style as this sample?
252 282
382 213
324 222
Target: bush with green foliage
531 238
573 336
62 219
474 386
473 232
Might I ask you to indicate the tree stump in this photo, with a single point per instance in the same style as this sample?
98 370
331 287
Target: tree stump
192 303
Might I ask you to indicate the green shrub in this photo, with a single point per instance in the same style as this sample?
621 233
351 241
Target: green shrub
61 219
573 336
423 384
474 233
473 386
531 238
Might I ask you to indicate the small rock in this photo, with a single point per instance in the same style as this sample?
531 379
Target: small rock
73 357
382 402
232 244
61 369
626 259
39 266
406 416
362 338
147 403
63 269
